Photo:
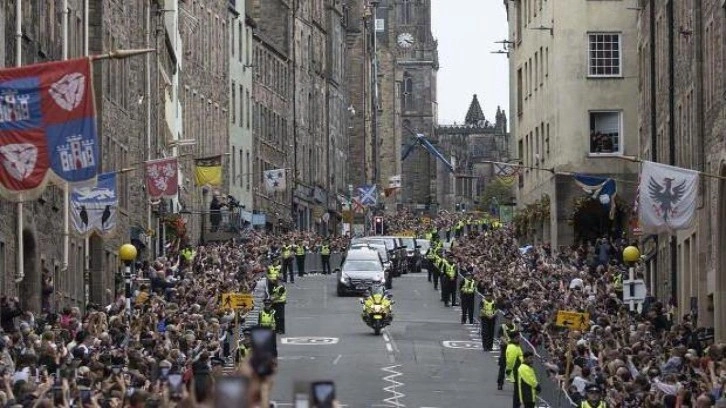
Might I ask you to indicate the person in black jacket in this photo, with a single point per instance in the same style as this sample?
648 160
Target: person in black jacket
10 309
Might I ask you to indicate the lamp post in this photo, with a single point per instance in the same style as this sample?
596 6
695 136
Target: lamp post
631 255
127 253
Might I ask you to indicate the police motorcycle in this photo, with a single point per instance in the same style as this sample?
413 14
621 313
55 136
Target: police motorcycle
377 311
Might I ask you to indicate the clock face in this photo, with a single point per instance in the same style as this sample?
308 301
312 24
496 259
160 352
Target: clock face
405 40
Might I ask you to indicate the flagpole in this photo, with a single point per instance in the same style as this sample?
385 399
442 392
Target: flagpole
120 54
66 188
20 272
702 173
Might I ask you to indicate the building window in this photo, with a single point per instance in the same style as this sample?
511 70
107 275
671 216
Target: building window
241 107
248 170
3 270
520 91
407 92
405 11
234 102
605 132
604 55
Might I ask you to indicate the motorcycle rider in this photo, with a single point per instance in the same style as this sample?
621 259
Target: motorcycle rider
376 295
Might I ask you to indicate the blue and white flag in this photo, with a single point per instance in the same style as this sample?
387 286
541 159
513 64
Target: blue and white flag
368 194
94 209
601 189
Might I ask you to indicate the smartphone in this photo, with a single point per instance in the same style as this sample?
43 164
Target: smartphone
175 384
164 373
231 392
322 394
301 394
85 396
264 351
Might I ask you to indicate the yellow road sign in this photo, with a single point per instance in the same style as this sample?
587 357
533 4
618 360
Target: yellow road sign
573 320
233 300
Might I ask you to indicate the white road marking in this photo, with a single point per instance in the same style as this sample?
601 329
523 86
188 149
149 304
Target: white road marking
394 399
465 344
337 359
296 358
309 341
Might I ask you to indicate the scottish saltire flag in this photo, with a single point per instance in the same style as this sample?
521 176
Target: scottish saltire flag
94 209
368 194
603 189
668 197
47 127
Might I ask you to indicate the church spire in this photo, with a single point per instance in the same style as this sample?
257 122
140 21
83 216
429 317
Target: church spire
475 116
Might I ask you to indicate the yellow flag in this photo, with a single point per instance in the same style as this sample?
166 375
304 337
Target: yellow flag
208 171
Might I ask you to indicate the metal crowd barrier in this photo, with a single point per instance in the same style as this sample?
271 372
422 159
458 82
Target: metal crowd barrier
314 262
552 394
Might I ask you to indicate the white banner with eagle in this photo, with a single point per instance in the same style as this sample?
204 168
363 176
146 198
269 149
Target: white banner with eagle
668 198
94 209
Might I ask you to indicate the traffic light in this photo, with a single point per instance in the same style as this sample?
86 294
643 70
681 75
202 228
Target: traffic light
378 225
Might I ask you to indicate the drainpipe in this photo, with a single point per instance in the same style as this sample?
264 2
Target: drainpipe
672 138
20 272
653 113
66 188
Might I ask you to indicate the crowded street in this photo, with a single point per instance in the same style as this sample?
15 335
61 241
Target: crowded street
362 204
426 358
430 355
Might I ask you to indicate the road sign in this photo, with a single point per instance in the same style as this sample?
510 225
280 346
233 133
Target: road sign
639 291
573 320
232 300
310 341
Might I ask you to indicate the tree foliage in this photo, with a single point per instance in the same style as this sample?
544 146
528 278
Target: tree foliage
496 189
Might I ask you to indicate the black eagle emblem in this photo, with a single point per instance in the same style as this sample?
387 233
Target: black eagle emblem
666 195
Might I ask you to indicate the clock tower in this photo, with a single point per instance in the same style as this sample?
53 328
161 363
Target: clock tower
408 66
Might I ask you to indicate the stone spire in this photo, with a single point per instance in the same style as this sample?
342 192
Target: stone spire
501 120
475 116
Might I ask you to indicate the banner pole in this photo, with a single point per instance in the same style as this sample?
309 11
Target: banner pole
20 272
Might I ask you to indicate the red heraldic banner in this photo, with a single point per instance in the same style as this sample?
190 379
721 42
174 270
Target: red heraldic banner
162 178
47 127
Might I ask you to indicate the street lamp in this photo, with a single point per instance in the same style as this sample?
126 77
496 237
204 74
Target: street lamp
631 255
127 253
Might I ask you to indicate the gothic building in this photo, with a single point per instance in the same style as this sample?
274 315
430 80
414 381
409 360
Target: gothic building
392 61
471 148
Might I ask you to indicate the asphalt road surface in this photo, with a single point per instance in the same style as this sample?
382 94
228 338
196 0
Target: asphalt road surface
426 358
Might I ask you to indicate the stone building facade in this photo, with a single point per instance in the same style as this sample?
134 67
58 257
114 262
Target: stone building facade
239 178
302 99
573 101
203 94
118 84
272 107
682 120
395 102
471 148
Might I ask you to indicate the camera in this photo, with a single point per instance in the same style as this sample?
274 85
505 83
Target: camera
264 351
322 394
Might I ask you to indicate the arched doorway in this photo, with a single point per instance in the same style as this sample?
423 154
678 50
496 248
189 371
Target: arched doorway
591 220
96 282
30 288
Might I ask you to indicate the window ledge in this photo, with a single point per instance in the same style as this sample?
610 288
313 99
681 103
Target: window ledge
605 77
604 155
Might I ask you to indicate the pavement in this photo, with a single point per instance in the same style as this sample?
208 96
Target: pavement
425 359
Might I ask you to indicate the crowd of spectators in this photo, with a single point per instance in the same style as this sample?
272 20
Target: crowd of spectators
108 356
651 357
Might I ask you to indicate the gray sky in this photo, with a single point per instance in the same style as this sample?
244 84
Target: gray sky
466 30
